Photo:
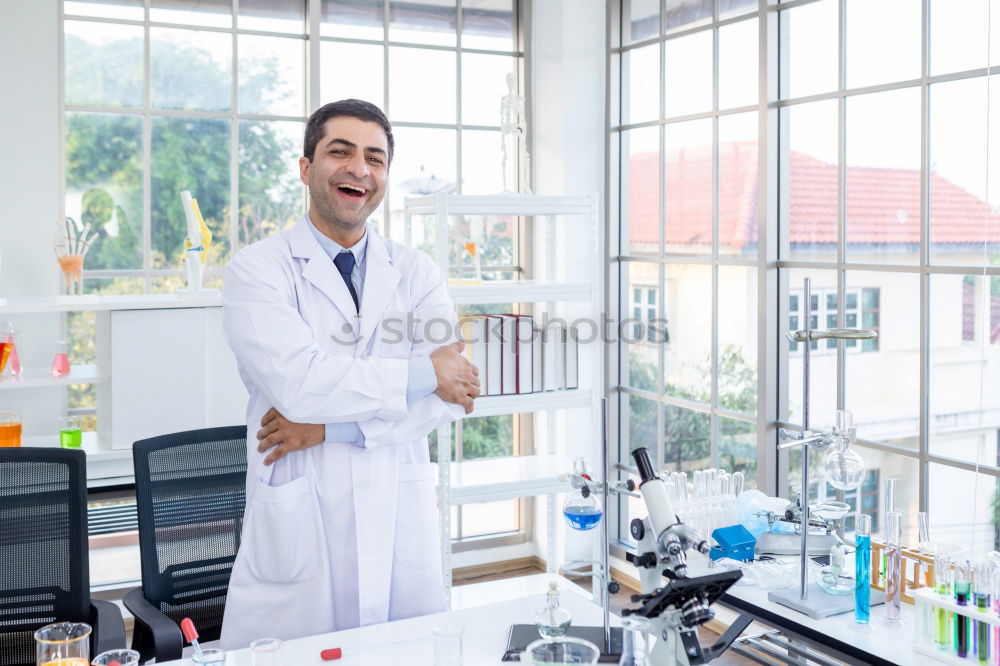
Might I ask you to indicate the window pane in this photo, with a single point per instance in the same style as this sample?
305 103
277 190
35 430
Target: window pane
738 178
129 10
959 35
738 338
484 84
688 76
876 55
352 71
190 69
103 64
643 66
962 214
823 364
808 206
481 157
738 64
965 367
883 177
688 187
809 62
489 518
738 449
640 188
189 154
640 19
413 95
273 15
272 75
271 194
641 424
966 517
207 13
488 24
687 14
424 163
488 437
642 350
688 371
729 8
423 21
883 380
687 441
357 19
104 185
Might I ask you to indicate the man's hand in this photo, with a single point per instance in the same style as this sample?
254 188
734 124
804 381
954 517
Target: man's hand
277 431
457 378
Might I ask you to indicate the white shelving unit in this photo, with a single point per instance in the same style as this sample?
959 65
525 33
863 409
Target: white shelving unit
557 280
42 377
927 601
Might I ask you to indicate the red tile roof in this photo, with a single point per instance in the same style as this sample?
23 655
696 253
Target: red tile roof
883 204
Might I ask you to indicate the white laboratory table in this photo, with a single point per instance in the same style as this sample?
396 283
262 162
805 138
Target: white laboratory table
410 641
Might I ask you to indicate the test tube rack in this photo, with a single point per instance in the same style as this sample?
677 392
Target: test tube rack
927 600
918 570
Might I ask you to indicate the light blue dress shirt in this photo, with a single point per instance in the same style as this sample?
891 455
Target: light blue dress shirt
421 378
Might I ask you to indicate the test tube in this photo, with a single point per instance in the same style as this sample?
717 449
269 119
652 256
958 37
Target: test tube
942 585
890 505
894 569
962 599
923 530
981 592
863 569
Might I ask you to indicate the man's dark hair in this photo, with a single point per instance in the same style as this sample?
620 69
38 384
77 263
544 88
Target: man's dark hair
353 108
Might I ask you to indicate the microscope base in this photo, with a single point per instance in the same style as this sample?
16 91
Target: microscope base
521 635
819 604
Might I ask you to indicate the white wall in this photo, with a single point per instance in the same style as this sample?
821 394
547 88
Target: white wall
30 189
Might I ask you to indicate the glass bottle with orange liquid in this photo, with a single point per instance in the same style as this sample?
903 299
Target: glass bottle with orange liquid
63 644
10 428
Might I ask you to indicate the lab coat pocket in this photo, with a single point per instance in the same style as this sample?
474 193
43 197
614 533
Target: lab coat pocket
283 543
417 517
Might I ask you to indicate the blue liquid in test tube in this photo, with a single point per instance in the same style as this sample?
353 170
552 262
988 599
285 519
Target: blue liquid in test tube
862 570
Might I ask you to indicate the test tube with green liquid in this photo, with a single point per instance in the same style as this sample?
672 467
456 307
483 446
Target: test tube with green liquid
981 594
942 585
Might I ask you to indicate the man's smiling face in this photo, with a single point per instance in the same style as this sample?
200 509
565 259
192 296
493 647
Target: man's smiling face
348 171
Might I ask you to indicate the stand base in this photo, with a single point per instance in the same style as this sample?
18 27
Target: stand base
819 604
770 543
520 636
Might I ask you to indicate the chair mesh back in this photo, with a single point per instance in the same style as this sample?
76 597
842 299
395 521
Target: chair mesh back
190 495
44 570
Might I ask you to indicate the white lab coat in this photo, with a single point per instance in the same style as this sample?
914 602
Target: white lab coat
335 536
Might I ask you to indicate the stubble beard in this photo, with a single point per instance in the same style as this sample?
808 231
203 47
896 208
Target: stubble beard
321 200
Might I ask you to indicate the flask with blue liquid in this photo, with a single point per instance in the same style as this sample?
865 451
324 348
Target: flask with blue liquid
582 509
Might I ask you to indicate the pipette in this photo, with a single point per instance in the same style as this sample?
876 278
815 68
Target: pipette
191 635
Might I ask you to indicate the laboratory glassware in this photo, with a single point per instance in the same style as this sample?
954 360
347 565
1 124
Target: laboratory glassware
60 364
553 620
548 652
894 569
63 644
266 652
863 570
5 350
889 493
121 657
843 466
961 631
10 428
981 595
447 645
210 657
923 530
11 341
634 651
582 510
832 578
943 587
71 432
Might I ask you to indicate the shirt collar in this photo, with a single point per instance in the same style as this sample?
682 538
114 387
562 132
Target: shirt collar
333 248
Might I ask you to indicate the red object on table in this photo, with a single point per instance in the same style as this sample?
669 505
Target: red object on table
331 654
187 627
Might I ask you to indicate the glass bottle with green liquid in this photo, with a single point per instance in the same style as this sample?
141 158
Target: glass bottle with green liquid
71 432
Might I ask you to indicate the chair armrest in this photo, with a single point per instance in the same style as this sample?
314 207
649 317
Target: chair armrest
109 628
168 642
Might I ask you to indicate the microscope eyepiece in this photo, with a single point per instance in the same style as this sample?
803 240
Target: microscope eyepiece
645 465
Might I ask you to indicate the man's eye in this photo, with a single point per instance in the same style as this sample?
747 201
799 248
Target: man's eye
375 160
337 152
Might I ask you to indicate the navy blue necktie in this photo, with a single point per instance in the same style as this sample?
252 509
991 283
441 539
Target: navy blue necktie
345 264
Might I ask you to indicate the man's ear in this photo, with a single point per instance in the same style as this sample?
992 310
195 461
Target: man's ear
304 165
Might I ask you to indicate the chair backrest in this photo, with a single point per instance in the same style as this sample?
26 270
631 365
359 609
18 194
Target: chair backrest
44 568
190 495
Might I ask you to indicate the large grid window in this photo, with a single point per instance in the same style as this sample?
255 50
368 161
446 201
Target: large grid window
875 178
686 128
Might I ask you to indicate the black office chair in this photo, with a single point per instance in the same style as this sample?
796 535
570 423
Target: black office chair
190 494
44 564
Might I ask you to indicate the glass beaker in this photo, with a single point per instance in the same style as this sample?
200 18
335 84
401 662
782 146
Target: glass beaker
60 364
63 644
71 432
547 652
634 645
10 428
447 645
11 341
210 657
266 652
120 657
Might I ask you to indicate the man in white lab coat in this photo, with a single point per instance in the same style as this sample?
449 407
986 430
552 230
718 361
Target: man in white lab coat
341 526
